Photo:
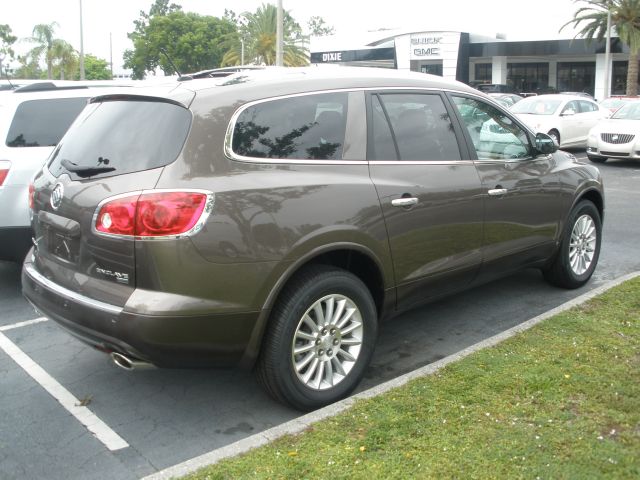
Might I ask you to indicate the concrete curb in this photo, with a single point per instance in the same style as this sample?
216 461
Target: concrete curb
300 424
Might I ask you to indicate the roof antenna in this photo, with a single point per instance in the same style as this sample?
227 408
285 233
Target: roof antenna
166 55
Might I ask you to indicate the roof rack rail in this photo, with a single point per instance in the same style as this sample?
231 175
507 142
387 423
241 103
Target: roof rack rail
45 86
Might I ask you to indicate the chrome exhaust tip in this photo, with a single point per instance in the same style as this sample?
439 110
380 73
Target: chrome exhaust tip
129 364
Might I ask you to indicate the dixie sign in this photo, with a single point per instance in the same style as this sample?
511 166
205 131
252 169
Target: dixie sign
332 57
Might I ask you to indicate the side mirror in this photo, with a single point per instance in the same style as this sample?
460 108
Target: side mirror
545 144
568 113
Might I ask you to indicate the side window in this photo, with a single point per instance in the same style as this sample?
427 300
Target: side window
572 106
304 127
586 106
42 123
382 146
421 126
494 135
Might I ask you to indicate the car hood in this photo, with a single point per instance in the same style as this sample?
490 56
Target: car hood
618 126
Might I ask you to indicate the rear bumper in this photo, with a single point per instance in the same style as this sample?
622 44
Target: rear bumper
14 243
163 340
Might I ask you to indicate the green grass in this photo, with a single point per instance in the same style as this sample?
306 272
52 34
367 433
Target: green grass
560 401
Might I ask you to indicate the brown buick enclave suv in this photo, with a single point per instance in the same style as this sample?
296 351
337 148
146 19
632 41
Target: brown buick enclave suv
271 219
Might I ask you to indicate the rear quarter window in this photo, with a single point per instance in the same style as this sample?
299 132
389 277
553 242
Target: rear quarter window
124 136
42 123
302 127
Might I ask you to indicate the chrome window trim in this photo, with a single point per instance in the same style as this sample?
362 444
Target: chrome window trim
421 162
199 225
228 147
69 294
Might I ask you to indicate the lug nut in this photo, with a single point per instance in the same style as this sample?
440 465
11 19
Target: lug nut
333 331
335 341
318 342
321 352
329 352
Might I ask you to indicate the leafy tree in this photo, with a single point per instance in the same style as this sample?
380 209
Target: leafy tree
28 68
43 36
95 68
64 59
6 41
319 28
258 30
625 17
190 41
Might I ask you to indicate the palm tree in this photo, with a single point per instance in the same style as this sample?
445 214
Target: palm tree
43 35
625 17
64 58
259 34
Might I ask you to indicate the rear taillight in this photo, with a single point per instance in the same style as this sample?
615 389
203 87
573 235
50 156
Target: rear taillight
4 170
32 194
152 214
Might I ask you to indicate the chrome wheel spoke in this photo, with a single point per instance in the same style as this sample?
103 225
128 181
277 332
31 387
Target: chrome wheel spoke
305 336
349 313
311 370
338 366
351 341
310 323
303 349
329 372
346 355
351 328
305 361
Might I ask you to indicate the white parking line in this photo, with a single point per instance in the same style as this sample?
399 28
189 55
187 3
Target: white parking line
85 416
23 324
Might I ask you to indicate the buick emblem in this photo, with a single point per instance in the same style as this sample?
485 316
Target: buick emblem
614 138
56 196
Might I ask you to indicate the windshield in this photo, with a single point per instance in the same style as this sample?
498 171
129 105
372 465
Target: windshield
630 111
611 103
537 106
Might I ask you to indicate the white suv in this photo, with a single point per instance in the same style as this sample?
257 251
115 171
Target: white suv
33 119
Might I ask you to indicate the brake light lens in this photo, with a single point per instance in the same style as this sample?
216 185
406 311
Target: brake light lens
153 214
32 195
3 175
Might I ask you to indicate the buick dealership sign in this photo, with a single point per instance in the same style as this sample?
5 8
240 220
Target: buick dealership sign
426 46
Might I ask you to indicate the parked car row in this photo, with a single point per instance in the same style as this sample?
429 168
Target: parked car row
271 220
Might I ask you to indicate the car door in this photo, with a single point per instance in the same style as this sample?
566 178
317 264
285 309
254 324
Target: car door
520 189
429 191
590 112
572 123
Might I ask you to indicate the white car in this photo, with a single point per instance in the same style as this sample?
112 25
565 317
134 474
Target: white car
565 118
33 118
616 137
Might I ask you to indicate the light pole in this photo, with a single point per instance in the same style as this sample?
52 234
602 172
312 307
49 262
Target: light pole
81 46
279 35
607 57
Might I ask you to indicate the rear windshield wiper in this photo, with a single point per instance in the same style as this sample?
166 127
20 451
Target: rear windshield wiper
83 171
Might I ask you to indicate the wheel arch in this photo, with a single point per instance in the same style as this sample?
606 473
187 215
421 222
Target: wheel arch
351 257
595 197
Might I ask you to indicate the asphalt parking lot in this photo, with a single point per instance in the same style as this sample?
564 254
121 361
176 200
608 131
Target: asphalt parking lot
152 419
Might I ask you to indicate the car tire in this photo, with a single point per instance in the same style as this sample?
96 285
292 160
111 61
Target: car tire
332 354
596 158
579 249
555 135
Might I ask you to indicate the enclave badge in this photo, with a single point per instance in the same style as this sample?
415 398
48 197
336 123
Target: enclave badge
56 196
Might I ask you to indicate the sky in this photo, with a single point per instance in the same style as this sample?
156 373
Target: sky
518 19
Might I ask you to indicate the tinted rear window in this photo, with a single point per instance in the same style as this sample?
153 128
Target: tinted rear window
126 136
304 127
42 123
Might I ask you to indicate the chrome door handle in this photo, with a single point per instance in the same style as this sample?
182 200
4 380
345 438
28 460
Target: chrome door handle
496 192
404 201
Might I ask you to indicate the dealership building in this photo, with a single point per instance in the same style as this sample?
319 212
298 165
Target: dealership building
575 65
